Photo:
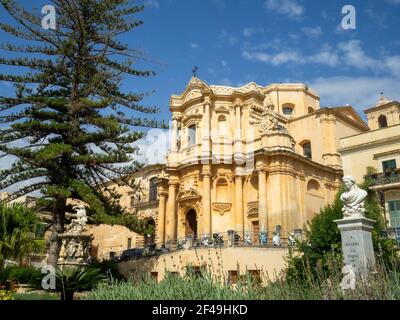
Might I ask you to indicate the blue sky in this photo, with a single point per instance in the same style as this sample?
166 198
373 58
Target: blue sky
268 41
234 42
271 41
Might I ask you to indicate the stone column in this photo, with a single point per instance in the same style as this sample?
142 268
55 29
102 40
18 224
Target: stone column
171 217
239 218
206 147
161 217
174 140
329 153
357 245
262 199
207 228
238 148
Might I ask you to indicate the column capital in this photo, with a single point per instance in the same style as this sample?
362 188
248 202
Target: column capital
238 177
207 100
173 183
206 170
162 193
237 103
261 167
206 174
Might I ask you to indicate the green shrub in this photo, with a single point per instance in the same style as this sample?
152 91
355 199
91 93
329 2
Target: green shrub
19 274
383 284
77 279
108 267
322 243
17 222
36 296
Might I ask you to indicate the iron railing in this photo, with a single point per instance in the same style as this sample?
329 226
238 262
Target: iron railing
216 240
385 178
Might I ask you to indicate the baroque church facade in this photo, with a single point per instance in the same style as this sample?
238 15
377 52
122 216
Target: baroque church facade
249 159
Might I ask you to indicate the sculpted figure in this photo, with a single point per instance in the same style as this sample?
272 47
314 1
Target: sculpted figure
291 239
247 238
79 223
276 239
353 198
71 249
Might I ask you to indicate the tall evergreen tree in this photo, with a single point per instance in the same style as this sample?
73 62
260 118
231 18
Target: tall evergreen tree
68 124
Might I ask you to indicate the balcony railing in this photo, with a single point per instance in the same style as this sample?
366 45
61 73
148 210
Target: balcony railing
216 240
389 177
145 203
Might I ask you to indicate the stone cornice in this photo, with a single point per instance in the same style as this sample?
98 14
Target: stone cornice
300 158
382 107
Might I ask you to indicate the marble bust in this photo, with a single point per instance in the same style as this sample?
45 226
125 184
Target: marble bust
353 199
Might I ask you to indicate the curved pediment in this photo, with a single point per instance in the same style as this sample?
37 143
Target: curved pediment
194 89
188 194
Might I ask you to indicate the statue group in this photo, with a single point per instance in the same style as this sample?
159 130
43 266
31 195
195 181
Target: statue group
75 245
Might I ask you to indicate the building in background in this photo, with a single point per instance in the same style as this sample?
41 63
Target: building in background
245 161
376 153
250 158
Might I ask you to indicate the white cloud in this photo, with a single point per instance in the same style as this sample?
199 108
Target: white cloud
359 92
393 65
250 31
226 37
313 33
194 45
274 59
287 7
224 63
355 56
346 54
152 4
153 148
325 57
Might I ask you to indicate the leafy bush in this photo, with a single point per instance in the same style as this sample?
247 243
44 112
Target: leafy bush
108 267
76 279
36 296
383 284
17 222
6 295
323 241
19 274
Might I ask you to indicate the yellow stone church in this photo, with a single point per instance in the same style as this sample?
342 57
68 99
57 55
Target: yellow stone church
249 159
245 159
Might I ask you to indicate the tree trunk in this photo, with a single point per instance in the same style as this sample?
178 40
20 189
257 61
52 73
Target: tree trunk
67 295
56 230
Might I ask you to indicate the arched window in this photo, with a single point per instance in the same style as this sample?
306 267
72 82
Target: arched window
307 152
153 189
192 135
222 126
313 186
288 109
382 121
310 110
222 190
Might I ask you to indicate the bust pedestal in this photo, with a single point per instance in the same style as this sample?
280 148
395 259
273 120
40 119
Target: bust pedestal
357 243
